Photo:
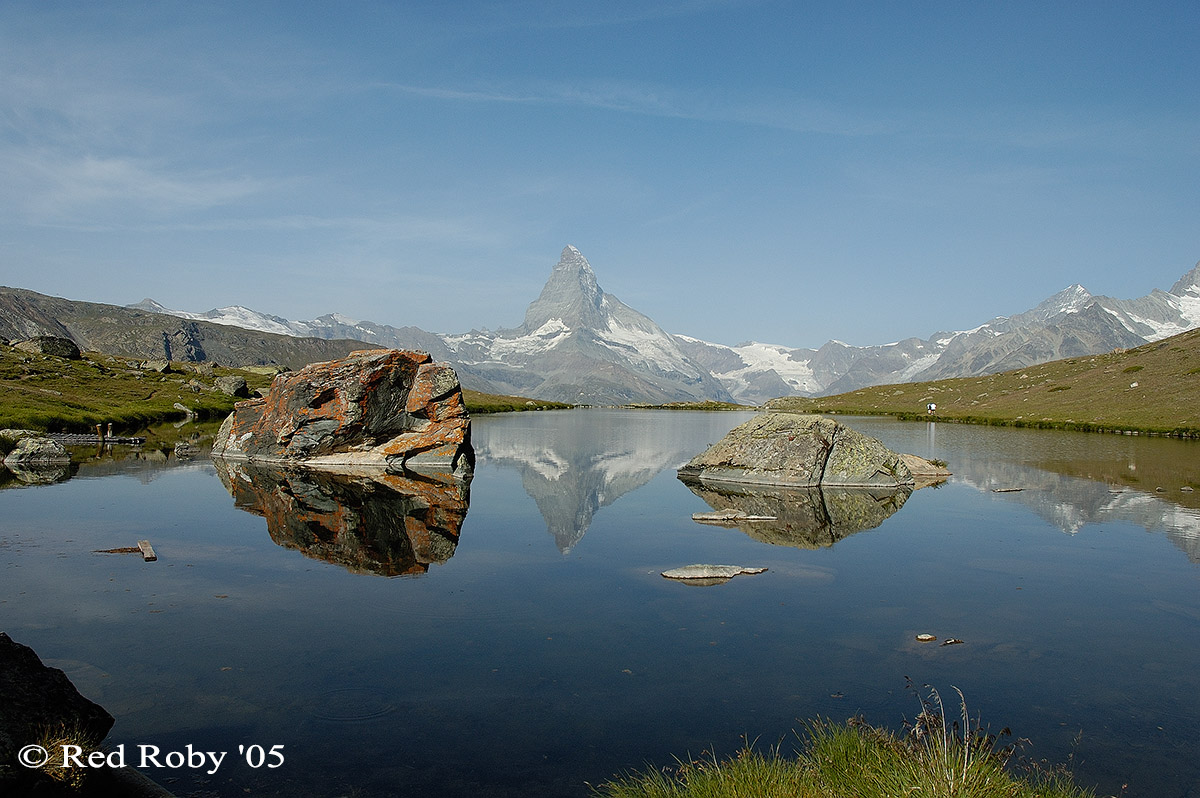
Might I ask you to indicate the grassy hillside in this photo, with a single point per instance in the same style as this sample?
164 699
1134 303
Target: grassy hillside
49 393
495 403
1153 388
52 394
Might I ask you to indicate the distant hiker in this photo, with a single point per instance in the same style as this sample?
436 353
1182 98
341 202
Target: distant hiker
929 408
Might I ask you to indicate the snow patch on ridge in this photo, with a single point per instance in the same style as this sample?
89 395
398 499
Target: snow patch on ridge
760 358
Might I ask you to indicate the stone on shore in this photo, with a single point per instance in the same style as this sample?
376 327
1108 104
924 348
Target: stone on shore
37 452
38 699
233 385
792 450
925 472
50 345
384 408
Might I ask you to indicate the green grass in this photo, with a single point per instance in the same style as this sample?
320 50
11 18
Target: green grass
497 403
934 759
51 394
1154 388
707 405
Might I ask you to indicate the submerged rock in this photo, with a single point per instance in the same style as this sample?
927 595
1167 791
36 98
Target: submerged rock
704 574
389 408
787 449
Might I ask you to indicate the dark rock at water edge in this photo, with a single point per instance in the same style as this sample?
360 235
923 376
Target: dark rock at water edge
37 698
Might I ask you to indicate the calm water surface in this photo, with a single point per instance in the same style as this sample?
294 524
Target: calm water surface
542 650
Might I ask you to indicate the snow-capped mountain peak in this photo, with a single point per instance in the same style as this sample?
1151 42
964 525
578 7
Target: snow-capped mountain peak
1071 299
571 295
1188 285
579 344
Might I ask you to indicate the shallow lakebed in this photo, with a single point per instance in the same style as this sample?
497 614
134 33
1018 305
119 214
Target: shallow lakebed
536 647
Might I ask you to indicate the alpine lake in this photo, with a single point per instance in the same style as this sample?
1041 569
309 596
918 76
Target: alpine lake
521 641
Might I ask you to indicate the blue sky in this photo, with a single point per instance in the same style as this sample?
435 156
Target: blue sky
775 171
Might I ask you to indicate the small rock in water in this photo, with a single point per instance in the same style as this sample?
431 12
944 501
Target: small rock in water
950 641
710 572
926 638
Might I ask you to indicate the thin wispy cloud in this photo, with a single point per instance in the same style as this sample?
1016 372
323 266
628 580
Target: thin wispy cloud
53 186
791 114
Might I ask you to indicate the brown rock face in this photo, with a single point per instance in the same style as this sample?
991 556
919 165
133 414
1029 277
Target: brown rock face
387 408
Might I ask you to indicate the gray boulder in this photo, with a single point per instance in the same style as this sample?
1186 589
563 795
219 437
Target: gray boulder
233 385
50 345
792 450
14 435
37 452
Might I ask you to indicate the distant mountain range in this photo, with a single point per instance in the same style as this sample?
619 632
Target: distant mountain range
579 344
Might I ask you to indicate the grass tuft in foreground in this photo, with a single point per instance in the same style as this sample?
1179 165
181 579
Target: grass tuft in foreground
936 758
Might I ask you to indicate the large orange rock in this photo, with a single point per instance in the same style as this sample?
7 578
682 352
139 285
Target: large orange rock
388 408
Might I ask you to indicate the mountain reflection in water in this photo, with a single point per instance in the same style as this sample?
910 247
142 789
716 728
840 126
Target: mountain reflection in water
379 523
574 462
805 518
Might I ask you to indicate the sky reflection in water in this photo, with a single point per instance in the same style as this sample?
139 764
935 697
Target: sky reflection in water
547 650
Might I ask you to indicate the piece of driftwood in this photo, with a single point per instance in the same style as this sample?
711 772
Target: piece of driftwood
147 551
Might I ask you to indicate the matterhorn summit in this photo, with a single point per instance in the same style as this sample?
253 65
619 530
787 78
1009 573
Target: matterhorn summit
571 295
581 345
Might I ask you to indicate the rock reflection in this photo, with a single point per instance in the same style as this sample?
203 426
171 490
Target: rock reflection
29 474
377 523
805 518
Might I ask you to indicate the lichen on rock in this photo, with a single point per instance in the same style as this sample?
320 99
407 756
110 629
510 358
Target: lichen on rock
792 450
387 408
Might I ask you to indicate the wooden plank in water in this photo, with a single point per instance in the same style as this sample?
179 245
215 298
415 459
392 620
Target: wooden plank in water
147 551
